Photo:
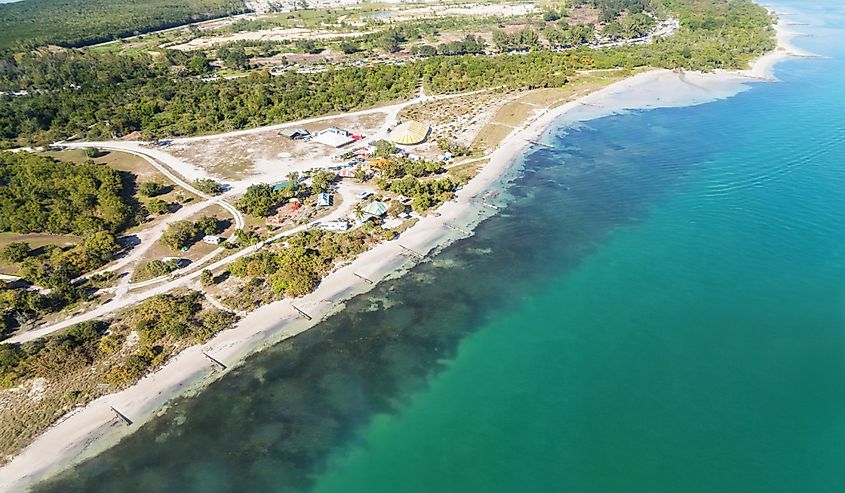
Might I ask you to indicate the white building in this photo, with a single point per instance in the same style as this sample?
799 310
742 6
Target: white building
334 137
338 226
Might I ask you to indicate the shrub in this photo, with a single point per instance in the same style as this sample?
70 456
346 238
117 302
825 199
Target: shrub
151 189
15 252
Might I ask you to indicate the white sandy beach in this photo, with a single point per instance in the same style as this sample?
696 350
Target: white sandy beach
92 429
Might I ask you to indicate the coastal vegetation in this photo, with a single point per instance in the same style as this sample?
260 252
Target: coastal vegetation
295 270
85 22
414 179
100 95
155 268
53 270
94 358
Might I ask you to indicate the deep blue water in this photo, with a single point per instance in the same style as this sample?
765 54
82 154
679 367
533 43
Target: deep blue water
660 309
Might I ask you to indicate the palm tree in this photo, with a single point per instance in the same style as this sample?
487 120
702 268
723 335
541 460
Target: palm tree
358 210
293 180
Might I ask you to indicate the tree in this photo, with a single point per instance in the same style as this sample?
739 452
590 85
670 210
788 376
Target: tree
158 206
390 40
258 200
450 146
209 186
234 58
97 249
151 189
384 148
15 252
157 268
179 234
41 194
321 180
206 278
613 30
246 238
208 225
293 180
198 64
550 16
124 92
424 50
92 152
360 174
582 34
348 47
76 23
309 46
395 208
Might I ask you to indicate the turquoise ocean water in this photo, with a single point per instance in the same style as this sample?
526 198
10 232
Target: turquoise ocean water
660 309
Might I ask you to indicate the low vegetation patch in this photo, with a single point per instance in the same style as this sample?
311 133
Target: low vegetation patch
43 379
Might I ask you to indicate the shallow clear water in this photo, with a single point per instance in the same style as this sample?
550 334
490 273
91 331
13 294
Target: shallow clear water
661 309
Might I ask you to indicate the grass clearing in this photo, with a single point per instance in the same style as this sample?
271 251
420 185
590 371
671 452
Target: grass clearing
491 135
35 241
120 161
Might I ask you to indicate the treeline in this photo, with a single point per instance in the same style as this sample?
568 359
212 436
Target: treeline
165 105
152 97
467 46
40 194
85 22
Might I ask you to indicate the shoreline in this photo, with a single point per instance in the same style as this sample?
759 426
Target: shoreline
88 431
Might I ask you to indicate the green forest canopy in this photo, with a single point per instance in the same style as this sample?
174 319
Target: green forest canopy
103 95
41 194
85 22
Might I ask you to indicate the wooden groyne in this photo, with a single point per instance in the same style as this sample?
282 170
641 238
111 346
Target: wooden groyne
304 315
359 276
455 228
412 252
214 361
121 416
538 143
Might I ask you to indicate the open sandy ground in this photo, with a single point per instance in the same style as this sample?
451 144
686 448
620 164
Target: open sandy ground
92 429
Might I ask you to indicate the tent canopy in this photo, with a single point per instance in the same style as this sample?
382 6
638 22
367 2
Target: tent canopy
376 209
410 133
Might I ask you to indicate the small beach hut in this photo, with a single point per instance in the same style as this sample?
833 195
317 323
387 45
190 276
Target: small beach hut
294 133
410 133
324 200
346 172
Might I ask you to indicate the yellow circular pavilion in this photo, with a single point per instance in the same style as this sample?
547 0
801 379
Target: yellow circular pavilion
410 133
